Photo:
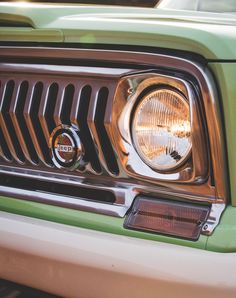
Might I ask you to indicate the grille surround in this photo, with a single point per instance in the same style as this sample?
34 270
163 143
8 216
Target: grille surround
124 186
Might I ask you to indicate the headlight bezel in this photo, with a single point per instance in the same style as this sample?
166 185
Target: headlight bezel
196 168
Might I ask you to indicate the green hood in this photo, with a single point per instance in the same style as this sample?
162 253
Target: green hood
211 35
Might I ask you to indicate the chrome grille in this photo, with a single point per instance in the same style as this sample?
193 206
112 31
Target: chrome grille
36 99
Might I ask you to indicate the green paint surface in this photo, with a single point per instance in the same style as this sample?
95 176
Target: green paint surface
208 34
86 220
223 238
31 35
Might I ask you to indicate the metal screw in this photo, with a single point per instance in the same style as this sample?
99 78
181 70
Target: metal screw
205 227
130 91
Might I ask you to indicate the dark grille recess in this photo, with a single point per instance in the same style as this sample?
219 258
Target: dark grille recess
33 104
81 120
72 191
101 131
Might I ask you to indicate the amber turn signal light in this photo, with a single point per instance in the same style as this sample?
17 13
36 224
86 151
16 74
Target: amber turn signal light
171 218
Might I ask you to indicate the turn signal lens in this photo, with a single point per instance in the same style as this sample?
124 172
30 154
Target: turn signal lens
161 129
169 218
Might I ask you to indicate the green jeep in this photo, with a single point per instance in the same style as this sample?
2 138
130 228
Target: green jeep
117 147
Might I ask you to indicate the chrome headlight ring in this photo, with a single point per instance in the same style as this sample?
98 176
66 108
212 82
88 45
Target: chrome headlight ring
161 128
193 167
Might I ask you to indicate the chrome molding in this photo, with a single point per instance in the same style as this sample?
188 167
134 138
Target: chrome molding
193 182
68 202
213 219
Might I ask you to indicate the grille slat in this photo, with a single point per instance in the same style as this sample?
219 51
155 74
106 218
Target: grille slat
5 153
92 125
50 107
78 117
30 99
67 104
46 96
75 103
59 105
1 152
91 154
106 146
4 150
6 124
16 113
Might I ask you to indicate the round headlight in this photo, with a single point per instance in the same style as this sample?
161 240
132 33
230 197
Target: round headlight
161 129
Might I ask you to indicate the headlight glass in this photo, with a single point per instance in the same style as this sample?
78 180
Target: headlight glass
161 129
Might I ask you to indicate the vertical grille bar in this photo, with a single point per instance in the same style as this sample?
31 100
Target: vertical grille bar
106 146
92 126
76 103
16 114
36 129
1 152
30 100
108 127
67 104
6 125
42 110
50 107
59 104
79 117
34 114
5 152
72 111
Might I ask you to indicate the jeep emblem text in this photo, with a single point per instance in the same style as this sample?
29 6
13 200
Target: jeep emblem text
66 148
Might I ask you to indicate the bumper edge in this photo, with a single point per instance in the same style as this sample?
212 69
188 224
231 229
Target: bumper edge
76 262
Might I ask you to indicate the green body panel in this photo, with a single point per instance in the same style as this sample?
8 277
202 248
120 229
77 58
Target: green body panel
31 35
225 76
87 220
210 35
224 237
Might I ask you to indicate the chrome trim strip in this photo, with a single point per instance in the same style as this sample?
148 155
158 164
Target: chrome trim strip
97 72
